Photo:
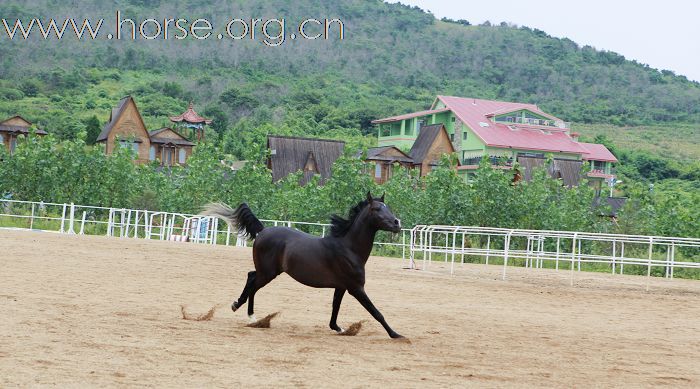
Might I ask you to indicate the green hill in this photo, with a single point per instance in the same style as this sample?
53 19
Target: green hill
393 59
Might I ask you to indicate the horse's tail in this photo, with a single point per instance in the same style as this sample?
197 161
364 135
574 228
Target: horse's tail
242 218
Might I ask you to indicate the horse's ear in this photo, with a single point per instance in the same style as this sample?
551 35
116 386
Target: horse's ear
382 198
369 196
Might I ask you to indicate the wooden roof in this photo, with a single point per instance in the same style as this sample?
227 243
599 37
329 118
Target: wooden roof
388 154
291 154
18 124
168 135
568 170
115 115
426 138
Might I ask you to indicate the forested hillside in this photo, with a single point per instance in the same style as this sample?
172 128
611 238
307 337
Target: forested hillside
393 59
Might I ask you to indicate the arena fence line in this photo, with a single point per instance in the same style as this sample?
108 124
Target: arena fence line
536 249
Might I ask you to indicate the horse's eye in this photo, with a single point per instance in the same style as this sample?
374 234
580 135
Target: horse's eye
376 208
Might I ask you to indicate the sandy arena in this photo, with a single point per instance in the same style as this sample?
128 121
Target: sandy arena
95 311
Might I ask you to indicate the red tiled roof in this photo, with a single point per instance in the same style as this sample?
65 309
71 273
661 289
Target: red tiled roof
409 115
597 152
474 112
190 116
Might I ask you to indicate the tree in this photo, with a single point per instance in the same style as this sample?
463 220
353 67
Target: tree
93 129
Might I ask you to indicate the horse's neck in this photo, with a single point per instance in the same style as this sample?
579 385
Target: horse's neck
360 238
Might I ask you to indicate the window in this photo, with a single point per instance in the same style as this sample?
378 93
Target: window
130 145
181 156
13 145
452 137
2 139
377 170
464 135
152 153
453 118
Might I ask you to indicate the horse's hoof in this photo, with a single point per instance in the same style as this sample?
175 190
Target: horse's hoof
252 319
397 336
234 306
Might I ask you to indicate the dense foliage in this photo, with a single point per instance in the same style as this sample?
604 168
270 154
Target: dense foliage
70 171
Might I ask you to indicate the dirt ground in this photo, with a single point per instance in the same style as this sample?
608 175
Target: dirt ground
95 311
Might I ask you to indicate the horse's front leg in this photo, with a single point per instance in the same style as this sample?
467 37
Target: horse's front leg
361 296
337 299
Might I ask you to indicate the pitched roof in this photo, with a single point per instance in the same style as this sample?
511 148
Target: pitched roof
190 116
568 170
425 140
597 152
180 140
22 129
291 154
379 154
113 117
409 115
475 113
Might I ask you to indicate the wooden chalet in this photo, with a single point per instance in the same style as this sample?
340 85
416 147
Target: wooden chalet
312 156
432 142
127 129
386 159
169 147
13 127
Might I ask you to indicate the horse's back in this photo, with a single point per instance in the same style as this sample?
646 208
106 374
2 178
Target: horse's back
303 256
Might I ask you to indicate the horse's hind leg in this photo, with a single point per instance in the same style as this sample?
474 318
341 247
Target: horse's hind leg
361 296
337 299
246 291
258 283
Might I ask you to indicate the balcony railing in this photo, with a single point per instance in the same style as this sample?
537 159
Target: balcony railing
536 122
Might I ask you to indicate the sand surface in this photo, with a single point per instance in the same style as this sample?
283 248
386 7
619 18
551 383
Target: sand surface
95 311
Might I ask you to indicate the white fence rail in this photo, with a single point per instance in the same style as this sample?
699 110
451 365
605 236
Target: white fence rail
535 247
134 223
452 244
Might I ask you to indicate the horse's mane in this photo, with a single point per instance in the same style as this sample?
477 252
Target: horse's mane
341 226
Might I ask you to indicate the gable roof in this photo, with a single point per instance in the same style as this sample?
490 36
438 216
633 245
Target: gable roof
383 153
474 112
569 171
115 115
291 154
22 129
597 152
180 140
425 140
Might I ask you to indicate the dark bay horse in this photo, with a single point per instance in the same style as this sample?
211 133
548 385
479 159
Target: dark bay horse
336 261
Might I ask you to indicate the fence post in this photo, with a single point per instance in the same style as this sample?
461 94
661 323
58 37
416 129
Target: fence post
63 218
31 220
651 249
573 257
82 223
505 253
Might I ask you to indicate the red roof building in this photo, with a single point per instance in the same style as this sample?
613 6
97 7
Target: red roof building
503 131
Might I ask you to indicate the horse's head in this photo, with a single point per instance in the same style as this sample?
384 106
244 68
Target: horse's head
381 216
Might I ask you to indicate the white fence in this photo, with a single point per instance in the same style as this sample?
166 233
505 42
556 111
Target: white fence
452 244
535 247
134 223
